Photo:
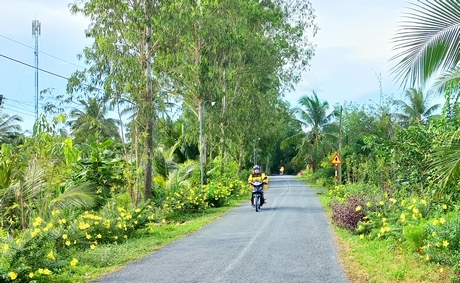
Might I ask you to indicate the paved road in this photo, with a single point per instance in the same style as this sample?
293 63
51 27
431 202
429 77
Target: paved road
289 240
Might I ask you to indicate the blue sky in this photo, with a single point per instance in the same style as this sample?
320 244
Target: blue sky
353 45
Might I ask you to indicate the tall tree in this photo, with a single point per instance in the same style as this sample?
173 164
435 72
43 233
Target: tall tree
312 115
128 36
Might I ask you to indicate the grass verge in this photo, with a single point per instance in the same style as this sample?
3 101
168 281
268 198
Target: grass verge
93 264
379 261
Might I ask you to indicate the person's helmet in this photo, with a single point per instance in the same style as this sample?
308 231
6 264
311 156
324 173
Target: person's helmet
256 168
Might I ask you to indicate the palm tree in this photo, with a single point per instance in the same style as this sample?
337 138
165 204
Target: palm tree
312 116
417 110
90 123
430 44
9 127
428 41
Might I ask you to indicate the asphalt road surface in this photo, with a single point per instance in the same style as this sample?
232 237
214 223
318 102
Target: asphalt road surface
289 240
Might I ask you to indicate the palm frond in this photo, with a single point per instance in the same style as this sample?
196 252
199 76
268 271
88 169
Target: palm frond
446 163
80 196
428 40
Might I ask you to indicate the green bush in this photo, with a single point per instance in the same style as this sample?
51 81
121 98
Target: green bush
415 236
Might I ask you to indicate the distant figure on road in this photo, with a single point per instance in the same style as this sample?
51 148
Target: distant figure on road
282 170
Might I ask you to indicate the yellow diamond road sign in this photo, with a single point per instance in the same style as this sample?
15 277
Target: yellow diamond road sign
336 159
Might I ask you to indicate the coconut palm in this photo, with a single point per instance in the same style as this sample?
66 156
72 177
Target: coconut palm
416 110
90 123
313 117
429 44
9 127
428 41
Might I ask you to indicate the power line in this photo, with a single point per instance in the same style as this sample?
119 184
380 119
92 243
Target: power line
19 101
20 62
18 107
51 73
41 52
16 111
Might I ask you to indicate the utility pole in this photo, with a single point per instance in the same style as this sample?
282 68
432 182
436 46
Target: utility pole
340 144
36 32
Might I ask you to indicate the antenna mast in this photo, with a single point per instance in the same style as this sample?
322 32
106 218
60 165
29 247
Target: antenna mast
36 31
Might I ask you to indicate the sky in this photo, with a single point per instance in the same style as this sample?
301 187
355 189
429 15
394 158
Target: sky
353 48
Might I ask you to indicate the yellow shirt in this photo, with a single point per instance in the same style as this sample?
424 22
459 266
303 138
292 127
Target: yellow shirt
260 177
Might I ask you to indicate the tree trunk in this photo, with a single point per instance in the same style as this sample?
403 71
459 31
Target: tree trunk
148 115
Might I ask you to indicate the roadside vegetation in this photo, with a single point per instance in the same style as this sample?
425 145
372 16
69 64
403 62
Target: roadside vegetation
198 91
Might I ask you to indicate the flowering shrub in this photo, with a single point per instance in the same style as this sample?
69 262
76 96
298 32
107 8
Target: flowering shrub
214 194
33 254
349 212
109 225
45 248
217 194
442 244
185 199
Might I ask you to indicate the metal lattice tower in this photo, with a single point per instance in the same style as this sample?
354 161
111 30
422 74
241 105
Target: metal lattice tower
36 31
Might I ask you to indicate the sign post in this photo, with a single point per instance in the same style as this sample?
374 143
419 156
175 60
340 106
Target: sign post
336 161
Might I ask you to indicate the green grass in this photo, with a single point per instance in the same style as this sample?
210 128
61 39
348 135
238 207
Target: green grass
379 261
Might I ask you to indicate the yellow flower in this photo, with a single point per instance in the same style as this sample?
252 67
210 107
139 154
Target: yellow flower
427 257
92 247
137 210
73 262
403 217
445 243
12 275
441 270
31 275
55 212
5 247
435 222
358 208
64 236
37 221
442 220
35 232
444 206
63 221
361 236
392 200
83 226
50 255
88 236
46 271
381 202
48 226
67 243
423 201
99 236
